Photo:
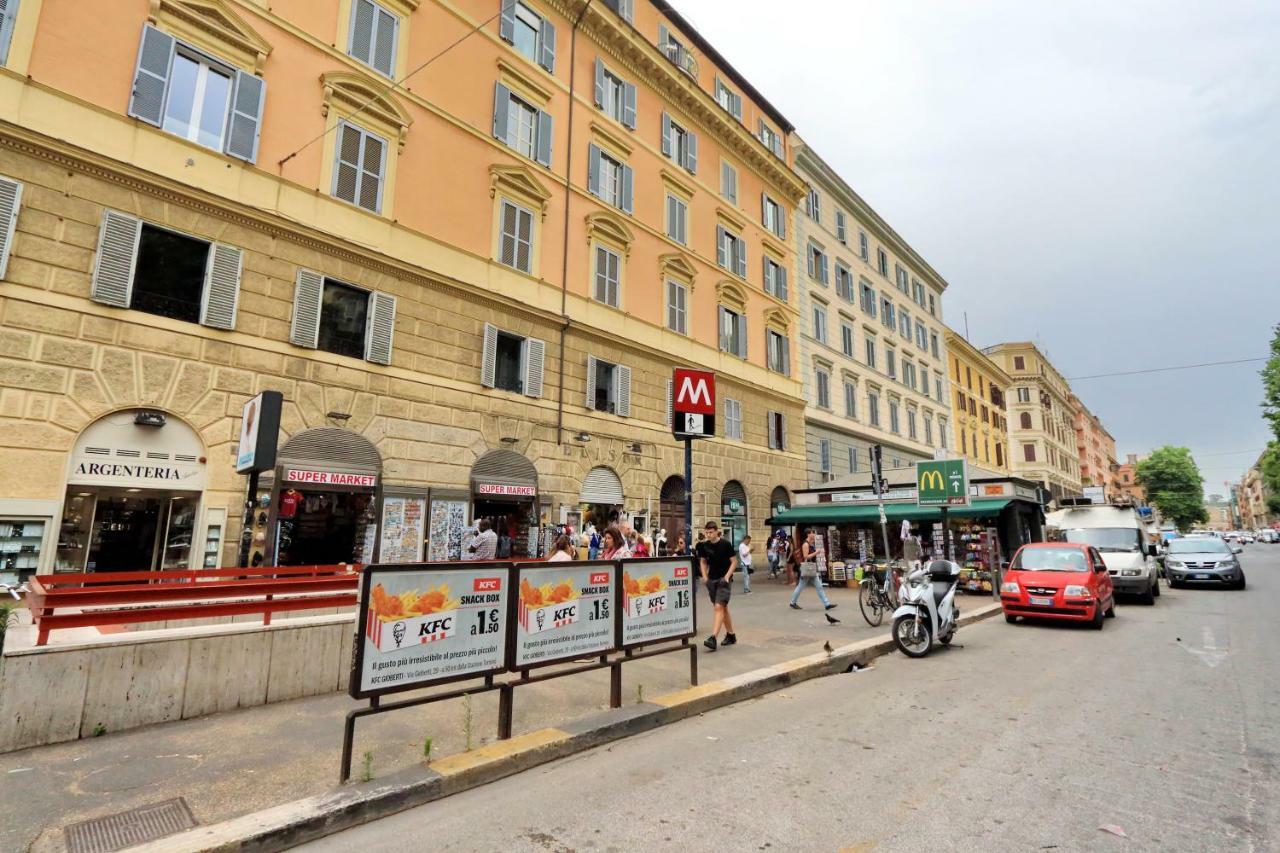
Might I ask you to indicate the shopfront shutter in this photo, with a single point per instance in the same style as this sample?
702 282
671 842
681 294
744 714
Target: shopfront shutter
601 486
307 292
629 105
382 326
622 376
489 356
547 45
590 401
221 287
534 357
151 77
10 200
545 138
246 116
117 256
507 21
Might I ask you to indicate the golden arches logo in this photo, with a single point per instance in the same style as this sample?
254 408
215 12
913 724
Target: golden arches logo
932 480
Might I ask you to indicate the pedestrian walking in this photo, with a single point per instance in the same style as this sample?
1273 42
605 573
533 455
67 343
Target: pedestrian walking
562 550
773 555
614 545
593 543
792 558
809 573
717 562
744 563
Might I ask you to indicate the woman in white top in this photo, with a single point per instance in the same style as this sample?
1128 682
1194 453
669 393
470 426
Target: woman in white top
561 551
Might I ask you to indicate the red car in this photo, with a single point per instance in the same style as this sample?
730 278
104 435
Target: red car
1058 580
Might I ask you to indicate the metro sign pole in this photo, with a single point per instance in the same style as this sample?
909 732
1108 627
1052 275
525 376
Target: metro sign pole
693 416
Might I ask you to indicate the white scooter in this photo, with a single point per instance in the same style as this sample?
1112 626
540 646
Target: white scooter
928 608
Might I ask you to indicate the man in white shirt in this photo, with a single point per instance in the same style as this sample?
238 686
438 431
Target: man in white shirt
744 560
485 544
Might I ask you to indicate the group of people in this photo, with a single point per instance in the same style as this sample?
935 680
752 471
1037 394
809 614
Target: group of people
617 542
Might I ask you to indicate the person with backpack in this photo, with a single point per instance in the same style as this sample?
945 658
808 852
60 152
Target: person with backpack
809 573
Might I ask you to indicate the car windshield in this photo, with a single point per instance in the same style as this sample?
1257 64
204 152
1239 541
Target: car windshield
1206 545
1050 560
1105 538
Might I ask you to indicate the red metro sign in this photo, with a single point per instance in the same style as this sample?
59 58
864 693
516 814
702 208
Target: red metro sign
693 403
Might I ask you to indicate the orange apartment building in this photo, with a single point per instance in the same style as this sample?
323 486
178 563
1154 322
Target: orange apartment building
1098 463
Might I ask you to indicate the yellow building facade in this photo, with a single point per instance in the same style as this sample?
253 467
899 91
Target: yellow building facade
467 242
979 405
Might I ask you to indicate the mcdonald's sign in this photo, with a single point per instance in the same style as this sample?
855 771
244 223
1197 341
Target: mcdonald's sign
942 482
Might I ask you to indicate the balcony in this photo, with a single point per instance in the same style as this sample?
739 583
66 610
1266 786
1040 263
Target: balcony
682 57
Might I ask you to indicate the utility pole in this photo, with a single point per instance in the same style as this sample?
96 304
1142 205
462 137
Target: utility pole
879 483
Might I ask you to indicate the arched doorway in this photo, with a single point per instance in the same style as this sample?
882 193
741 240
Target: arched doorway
671 509
733 511
325 499
601 497
504 488
779 500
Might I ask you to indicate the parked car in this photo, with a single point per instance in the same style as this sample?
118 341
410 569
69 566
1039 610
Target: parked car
1058 580
1203 560
1119 535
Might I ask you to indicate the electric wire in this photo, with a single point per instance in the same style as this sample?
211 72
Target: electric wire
1165 369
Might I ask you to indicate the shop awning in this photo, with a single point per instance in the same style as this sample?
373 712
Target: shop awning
838 513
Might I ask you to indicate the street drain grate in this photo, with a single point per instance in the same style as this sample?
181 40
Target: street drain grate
786 640
136 826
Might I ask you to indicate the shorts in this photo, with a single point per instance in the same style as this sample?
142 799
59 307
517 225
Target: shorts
719 589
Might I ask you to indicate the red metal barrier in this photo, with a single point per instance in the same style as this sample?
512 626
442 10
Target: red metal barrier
121 598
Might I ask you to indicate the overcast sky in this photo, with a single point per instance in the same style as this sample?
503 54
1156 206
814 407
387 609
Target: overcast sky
1100 177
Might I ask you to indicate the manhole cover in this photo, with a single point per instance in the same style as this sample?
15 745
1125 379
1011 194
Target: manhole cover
793 641
136 826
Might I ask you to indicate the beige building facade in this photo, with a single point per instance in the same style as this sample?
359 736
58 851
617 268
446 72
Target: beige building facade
1252 497
978 387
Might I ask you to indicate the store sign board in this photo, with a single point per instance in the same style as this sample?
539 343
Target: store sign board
564 610
942 482
329 478
259 432
506 490
871 497
113 471
657 601
429 624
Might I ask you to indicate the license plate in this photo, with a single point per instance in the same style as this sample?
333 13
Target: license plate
1041 602
1200 577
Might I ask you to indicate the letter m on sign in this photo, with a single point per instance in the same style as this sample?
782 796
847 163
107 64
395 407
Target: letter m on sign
693 403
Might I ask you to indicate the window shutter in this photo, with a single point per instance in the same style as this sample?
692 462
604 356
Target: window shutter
382 327
786 356
629 105
10 199
740 257
489 356
773 430
666 135
547 45
764 210
691 153
372 162
246 116
669 389
628 178
825 270
813 271
590 401
770 286
151 78
599 83
507 21
742 335
782 283
534 356
384 45
221 287
117 255
307 293
664 35
622 376
722 322
593 170
544 138
8 13
782 431
782 222
363 15
501 101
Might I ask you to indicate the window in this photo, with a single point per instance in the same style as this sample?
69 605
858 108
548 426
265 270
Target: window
846 339
344 312
813 205
731 251
922 336
844 282
1024 420
850 399
902 277
853 460
677 219
842 228
771 216
184 92
677 307
964 442
818 264
609 179
882 262
1024 395
864 246
937 387
373 36
615 97
729 100
733 332
822 379
680 144
968 377
778 352
343 319
894 426
775 278
924 380
960 401
867 299
873 408
770 138
732 418
932 311
1019 363
819 324
608 387
824 455
516 246
625 9
871 352
886 313
917 292
165 273
909 374
933 344
529 33
728 181
510 362
521 126
928 429
911 423
999 454
904 324
8 15
1028 453
776 423
891 362
607 267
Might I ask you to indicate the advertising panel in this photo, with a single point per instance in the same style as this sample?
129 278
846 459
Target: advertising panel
657 600
565 610
424 625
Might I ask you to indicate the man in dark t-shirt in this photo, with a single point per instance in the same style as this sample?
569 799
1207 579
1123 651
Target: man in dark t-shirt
717 560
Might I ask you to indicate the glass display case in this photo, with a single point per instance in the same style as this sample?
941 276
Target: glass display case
21 542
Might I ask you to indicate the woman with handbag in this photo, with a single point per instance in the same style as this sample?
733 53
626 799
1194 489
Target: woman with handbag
809 573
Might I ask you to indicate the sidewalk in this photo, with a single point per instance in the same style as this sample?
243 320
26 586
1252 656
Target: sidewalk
234 763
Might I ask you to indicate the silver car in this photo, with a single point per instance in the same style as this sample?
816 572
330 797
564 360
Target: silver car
1203 559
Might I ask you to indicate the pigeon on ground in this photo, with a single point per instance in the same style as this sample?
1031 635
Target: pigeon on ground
831 620
826 647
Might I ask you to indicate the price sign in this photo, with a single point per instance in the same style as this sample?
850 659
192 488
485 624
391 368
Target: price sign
564 610
657 600
420 626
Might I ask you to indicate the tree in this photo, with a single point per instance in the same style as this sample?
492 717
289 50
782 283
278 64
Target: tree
1271 386
1173 483
1270 469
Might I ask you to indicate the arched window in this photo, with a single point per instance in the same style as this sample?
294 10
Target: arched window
1024 420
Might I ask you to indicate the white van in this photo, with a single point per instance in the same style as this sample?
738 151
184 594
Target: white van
1120 536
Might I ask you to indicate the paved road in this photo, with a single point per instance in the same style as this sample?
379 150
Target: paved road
1032 737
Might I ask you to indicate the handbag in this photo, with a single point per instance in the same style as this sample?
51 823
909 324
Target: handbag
808 570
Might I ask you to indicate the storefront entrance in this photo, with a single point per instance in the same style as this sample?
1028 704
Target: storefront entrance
327 527
733 511
601 498
504 488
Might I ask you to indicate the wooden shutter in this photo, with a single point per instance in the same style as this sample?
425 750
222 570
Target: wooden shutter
307 294
813 269
772 426
246 116
151 77
593 169
722 256
770 286
764 210
547 45
117 257
742 335
591 382
826 277
372 163
781 430
363 21
780 283
599 83
786 355
8 14
545 137
628 179
384 43
622 381
501 102
740 257
722 324
668 401
10 199
221 287
346 171
666 135
629 105
691 152
507 21
381 327
489 356
534 356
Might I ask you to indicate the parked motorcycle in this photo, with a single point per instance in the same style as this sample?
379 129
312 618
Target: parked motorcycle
928 610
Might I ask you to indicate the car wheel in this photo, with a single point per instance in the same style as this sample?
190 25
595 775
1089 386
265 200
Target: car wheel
1099 618
1240 583
1155 587
1148 597
1011 619
1175 584
1111 611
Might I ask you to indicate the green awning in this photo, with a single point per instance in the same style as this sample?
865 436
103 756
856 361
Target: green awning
842 513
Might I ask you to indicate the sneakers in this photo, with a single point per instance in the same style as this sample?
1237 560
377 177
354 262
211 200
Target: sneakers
746 592
795 606
729 639
710 643
831 606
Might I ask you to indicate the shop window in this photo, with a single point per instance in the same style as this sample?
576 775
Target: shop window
341 318
22 542
163 272
511 362
608 387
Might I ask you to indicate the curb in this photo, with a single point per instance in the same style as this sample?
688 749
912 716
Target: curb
284 826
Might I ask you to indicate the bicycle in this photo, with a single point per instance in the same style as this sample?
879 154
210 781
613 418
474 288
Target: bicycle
874 598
